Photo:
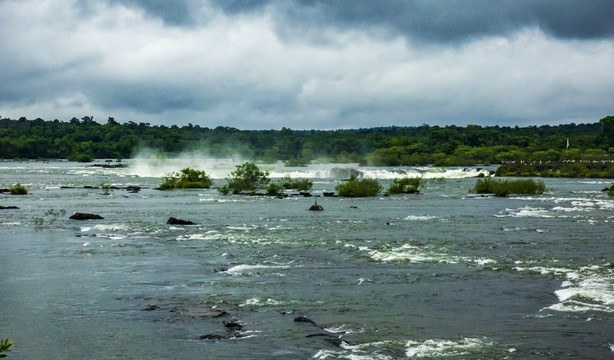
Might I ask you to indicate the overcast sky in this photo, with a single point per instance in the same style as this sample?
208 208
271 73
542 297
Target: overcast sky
308 64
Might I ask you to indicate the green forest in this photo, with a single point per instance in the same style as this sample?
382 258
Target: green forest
85 139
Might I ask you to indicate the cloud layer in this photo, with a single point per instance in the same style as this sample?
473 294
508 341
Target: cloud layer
308 64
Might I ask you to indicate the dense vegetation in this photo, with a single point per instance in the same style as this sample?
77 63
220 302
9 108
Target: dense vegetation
246 177
503 188
186 179
84 139
354 187
405 186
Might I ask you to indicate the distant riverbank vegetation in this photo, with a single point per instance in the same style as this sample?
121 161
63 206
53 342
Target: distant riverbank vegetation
85 139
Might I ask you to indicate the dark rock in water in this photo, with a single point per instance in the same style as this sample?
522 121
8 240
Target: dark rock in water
4 190
211 337
353 207
316 207
328 194
173 221
67 187
328 338
151 308
8 207
233 325
304 319
305 194
85 216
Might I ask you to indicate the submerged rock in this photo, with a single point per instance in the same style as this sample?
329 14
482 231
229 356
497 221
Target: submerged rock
203 313
332 339
304 319
8 207
211 337
85 216
174 221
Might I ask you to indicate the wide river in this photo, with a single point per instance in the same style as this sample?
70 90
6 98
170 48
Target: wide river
441 274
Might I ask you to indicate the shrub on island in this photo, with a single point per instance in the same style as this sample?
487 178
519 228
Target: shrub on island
359 188
18 189
186 179
296 184
503 188
405 186
246 177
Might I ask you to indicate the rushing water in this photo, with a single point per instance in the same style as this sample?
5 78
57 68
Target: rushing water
442 274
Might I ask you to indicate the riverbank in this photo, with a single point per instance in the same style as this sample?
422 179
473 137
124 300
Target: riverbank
566 169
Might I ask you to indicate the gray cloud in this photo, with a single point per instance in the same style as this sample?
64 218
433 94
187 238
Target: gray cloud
306 64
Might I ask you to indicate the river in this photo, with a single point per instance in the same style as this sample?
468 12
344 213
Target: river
441 274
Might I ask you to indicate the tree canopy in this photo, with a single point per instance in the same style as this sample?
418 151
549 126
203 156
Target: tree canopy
389 146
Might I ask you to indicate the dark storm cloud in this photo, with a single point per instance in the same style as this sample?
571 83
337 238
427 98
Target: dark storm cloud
446 20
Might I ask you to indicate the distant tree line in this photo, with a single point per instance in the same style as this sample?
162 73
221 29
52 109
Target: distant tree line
84 139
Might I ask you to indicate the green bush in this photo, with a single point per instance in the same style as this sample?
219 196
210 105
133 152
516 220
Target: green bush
296 184
405 186
359 188
186 179
18 189
274 189
503 188
246 177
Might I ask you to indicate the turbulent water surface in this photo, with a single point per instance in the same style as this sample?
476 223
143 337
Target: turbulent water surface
442 274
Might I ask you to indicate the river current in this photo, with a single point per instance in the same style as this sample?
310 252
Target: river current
441 274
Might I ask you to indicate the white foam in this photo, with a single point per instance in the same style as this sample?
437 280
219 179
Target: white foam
248 269
420 218
412 254
446 348
257 302
589 288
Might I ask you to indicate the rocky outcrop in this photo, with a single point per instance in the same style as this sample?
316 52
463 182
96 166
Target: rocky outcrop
85 216
174 221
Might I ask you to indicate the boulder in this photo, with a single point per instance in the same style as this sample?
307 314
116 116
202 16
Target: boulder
233 326
8 207
174 221
85 216
328 194
316 207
